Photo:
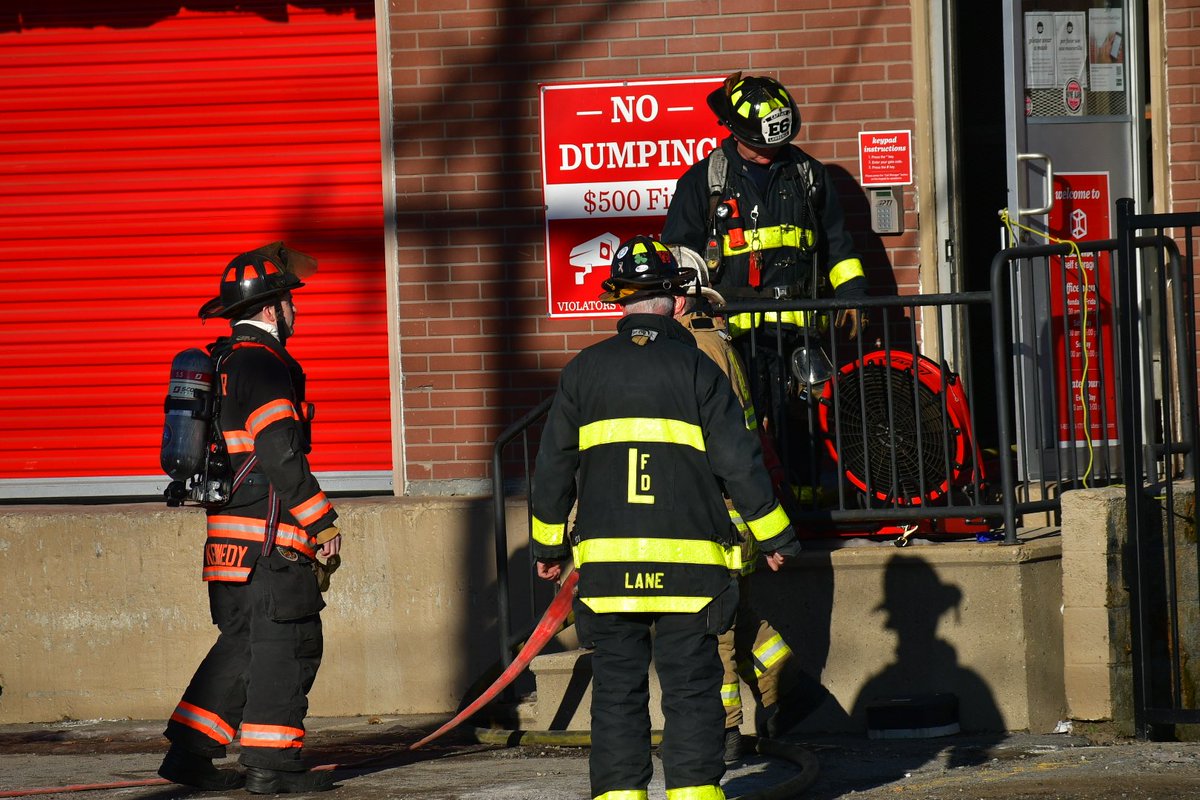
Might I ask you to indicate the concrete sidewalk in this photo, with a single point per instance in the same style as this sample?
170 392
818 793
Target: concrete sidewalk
370 755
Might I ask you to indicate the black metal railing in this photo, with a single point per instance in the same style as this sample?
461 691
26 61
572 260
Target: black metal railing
519 429
1159 433
1037 348
1092 379
886 446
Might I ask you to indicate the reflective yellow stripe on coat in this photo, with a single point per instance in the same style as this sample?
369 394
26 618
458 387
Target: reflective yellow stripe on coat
663 551
549 534
769 525
843 271
641 551
739 324
650 604
771 238
641 430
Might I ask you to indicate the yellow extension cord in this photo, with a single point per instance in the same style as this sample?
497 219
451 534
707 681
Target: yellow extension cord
1012 225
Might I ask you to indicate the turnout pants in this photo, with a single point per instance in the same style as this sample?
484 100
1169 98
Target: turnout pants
684 650
253 684
753 650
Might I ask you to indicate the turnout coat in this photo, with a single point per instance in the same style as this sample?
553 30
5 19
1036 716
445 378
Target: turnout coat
655 432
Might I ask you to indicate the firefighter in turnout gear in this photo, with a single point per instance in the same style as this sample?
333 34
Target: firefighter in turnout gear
770 226
655 433
260 549
752 648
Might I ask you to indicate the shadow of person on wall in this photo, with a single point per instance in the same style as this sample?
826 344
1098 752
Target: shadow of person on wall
872 248
889 262
926 666
801 609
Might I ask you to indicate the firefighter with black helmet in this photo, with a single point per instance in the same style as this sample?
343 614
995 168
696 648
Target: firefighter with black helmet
768 221
654 431
261 548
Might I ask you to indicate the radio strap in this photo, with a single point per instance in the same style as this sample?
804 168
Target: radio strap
272 523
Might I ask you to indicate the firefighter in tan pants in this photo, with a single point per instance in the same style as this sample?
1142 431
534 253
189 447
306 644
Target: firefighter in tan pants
751 649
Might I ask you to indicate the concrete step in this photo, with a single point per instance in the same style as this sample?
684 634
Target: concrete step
525 713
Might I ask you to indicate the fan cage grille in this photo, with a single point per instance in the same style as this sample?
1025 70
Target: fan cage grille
896 451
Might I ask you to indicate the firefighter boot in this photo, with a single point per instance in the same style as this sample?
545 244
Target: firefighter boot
260 780
769 724
733 745
190 769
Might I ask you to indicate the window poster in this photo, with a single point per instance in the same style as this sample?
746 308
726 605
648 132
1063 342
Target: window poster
1040 72
1106 46
1070 48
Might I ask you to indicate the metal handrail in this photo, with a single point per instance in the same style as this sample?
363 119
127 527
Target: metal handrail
1131 371
518 428
1158 699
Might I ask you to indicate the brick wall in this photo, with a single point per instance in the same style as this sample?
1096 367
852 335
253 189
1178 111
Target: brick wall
477 348
1182 26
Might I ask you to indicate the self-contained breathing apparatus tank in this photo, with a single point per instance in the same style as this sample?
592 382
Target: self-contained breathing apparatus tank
192 452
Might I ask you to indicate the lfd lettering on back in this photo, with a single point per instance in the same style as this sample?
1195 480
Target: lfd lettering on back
224 555
644 580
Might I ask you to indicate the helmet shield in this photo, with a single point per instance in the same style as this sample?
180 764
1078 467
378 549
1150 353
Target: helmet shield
810 366
257 277
302 265
643 267
700 284
756 110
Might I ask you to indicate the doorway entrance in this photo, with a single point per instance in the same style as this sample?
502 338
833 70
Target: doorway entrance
1039 99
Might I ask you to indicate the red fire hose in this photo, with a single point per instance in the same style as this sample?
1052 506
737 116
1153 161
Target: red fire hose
84 787
551 621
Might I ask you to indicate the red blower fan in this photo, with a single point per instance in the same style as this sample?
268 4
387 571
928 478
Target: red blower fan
904 429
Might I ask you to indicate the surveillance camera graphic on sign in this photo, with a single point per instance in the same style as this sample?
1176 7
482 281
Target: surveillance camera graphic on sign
593 253
1079 226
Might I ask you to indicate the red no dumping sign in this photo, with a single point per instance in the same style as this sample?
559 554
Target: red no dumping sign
611 154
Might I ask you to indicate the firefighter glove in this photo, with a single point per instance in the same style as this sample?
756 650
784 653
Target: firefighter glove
327 534
790 550
323 569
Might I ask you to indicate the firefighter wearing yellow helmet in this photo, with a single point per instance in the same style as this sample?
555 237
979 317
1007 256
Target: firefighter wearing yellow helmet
767 220
653 430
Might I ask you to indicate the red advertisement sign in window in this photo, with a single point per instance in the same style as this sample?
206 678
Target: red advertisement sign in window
1081 312
611 154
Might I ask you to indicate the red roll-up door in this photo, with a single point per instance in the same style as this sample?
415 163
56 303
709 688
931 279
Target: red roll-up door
141 151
